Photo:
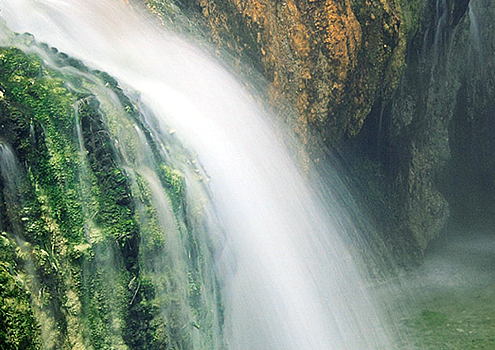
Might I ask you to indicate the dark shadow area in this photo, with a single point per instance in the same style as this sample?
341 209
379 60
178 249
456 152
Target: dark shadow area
470 181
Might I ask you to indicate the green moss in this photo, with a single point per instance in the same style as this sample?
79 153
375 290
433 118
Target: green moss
457 320
38 109
154 239
433 319
115 215
96 262
174 182
147 327
37 120
18 326
39 102
411 10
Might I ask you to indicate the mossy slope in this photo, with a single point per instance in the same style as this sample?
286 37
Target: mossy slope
75 261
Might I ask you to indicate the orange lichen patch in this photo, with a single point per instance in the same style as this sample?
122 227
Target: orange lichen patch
217 21
274 93
296 30
205 6
305 74
341 33
283 39
256 10
309 51
299 40
154 10
390 6
302 106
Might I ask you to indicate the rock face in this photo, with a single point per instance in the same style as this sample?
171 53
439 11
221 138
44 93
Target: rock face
434 138
332 61
472 128
403 69
328 59
440 122
418 137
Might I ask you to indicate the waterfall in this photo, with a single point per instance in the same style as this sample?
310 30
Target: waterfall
9 170
12 182
285 277
474 29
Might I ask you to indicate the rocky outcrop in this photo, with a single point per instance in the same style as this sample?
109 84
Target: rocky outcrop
328 59
333 61
436 136
471 190
400 68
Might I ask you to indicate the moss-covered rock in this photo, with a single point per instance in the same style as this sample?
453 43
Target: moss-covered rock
84 262
19 328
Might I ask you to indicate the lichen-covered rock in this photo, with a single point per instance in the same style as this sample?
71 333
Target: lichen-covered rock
331 62
328 59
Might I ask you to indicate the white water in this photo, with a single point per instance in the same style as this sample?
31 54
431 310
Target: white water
9 170
12 183
476 33
288 282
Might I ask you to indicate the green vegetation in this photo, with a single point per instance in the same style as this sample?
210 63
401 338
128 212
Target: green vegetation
18 327
411 11
84 262
454 320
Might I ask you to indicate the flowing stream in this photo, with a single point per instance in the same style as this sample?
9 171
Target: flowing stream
286 278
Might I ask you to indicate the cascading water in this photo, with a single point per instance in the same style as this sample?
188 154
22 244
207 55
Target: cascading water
12 182
286 279
474 29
